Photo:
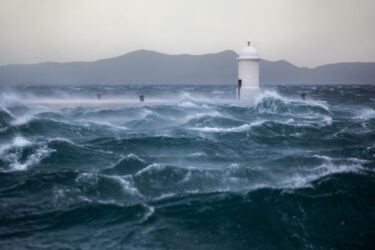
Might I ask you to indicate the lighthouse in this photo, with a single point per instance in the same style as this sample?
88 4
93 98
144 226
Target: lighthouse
248 73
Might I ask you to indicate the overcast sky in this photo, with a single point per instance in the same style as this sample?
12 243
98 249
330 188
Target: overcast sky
304 32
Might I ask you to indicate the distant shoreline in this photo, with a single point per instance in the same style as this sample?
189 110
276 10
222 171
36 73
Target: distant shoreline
144 67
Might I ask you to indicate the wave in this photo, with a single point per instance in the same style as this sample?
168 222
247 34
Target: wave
5 119
267 127
234 129
273 103
119 189
281 213
5 116
21 154
129 165
103 124
10 99
187 104
366 114
156 181
195 168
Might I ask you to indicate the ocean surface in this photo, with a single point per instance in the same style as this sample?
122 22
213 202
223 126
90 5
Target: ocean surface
200 171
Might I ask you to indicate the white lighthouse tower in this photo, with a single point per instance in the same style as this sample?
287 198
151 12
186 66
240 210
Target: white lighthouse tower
248 73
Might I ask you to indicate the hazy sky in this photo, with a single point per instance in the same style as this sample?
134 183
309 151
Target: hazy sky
304 32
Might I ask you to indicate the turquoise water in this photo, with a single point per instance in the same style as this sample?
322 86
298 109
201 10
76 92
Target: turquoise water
204 172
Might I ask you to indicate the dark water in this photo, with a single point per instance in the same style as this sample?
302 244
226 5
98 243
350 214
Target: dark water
201 173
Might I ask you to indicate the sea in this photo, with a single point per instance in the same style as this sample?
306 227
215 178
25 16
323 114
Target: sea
199 170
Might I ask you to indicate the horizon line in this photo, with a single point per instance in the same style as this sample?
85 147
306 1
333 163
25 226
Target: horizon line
179 54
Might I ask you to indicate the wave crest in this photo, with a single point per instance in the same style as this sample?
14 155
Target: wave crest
271 102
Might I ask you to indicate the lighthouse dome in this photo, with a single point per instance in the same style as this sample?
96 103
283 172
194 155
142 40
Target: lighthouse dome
249 52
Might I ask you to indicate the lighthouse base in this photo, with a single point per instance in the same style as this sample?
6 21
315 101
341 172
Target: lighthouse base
247 94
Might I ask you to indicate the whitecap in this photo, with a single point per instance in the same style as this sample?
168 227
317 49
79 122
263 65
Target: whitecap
148 168
323 157
187 104
350 159
197 154
272 102
150 210
125 184
300 180
134 156
32 160
93 179
215 129
327 120
107 124
203 114
366 114
10 99
18 141
22 119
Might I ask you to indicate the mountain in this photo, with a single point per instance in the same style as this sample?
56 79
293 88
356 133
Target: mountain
149 67
282 72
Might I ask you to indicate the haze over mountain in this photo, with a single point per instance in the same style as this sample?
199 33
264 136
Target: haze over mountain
149 67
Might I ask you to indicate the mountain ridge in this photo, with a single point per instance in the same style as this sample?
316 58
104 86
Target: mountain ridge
152 67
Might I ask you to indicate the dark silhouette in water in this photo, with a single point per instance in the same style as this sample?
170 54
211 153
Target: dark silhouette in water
239 86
